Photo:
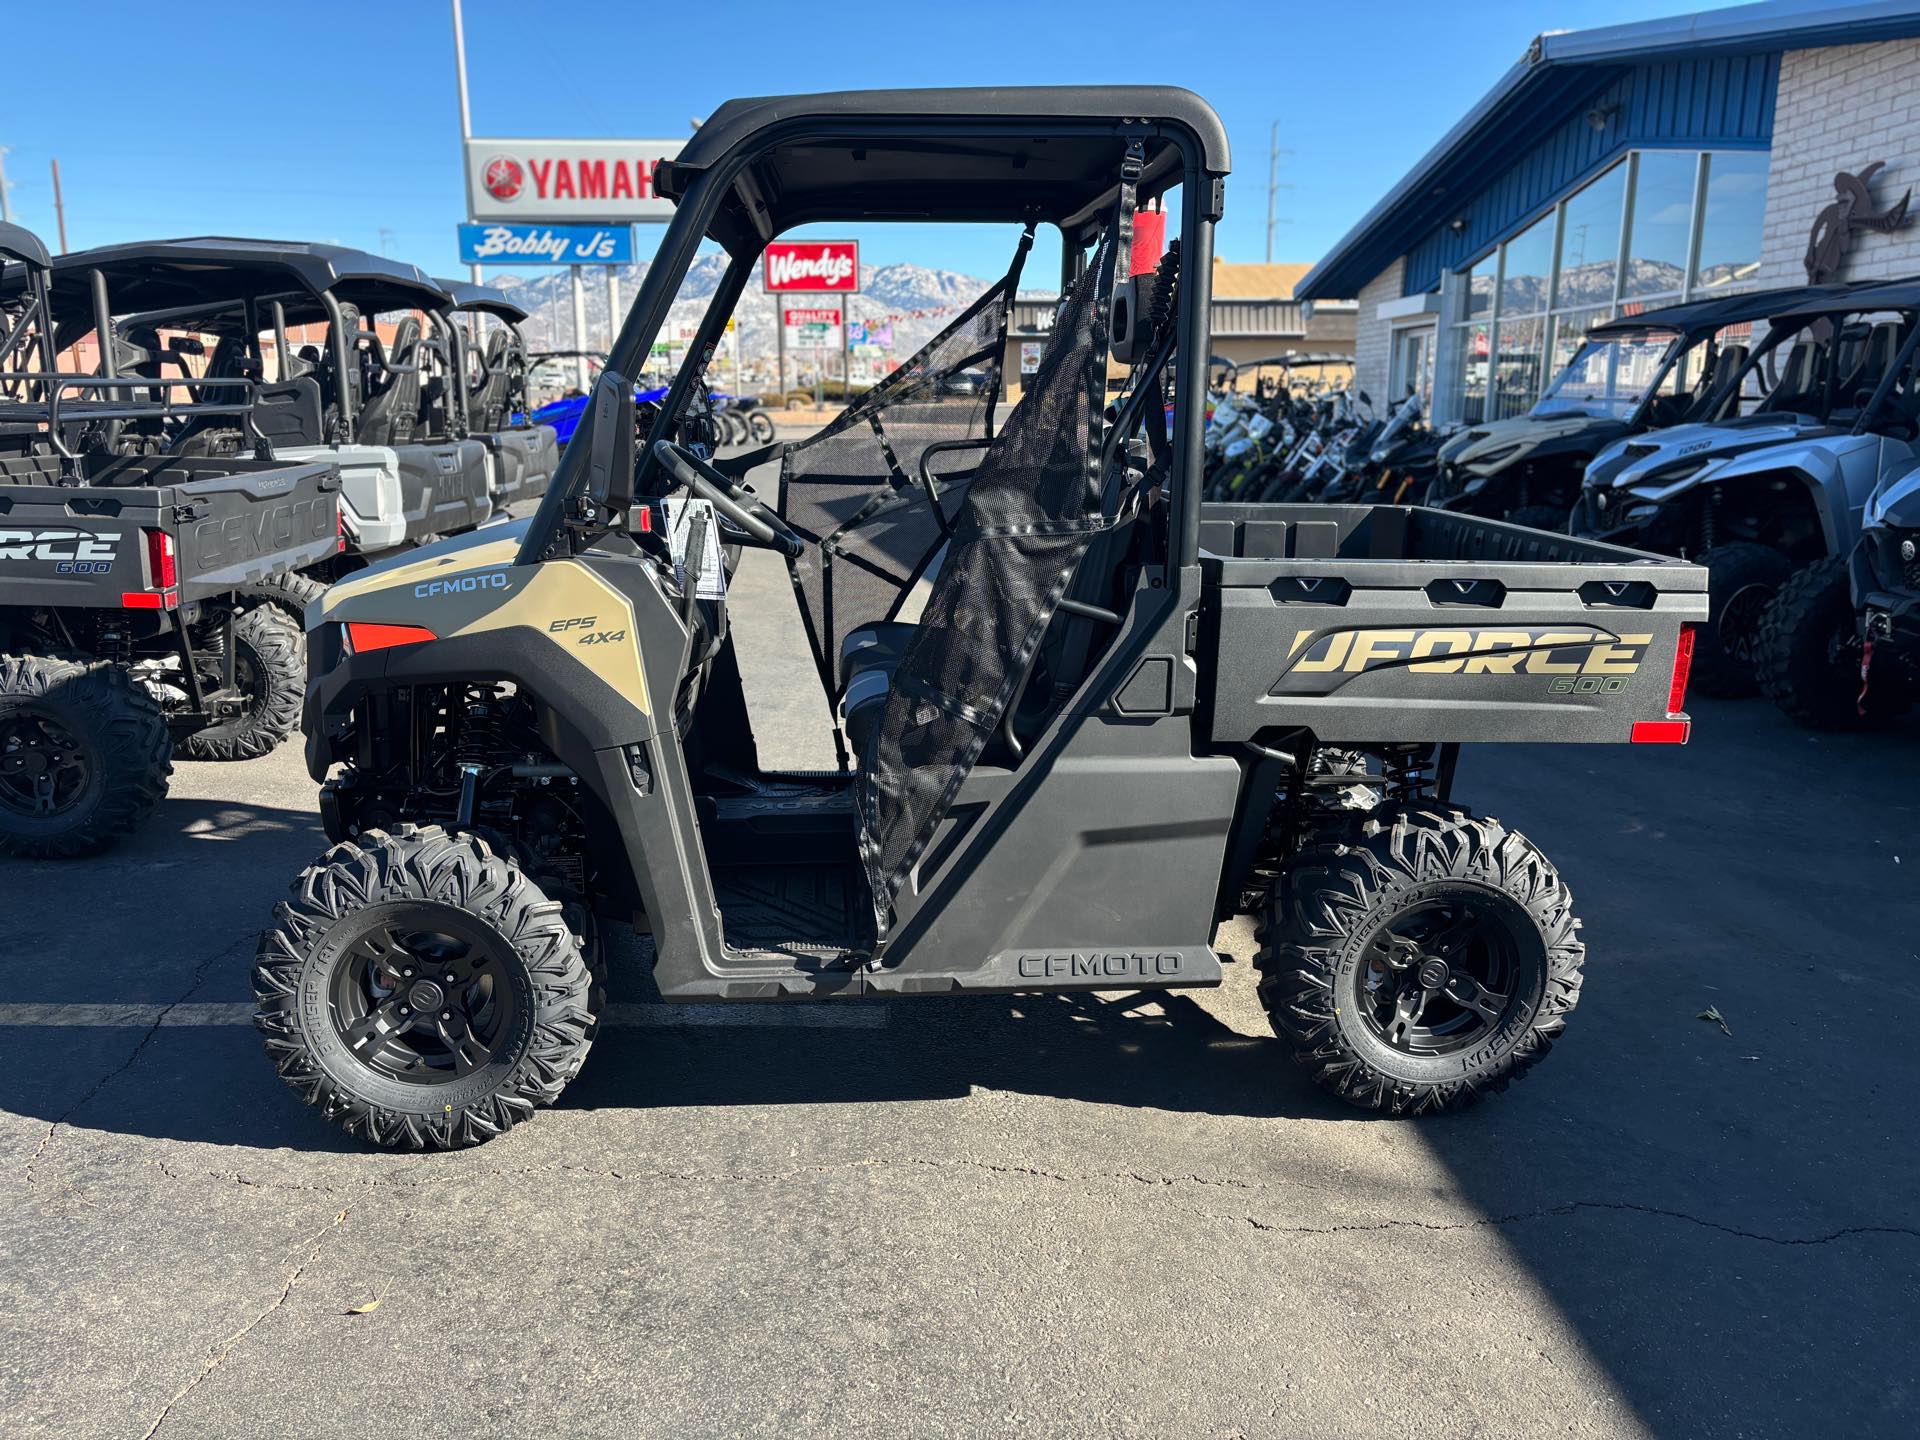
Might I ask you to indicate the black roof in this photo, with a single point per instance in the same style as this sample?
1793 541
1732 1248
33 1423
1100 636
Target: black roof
1861 297
990 153
484 298
1722 310
18 243
216 270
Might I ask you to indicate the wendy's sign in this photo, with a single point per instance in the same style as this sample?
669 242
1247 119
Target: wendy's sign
813 265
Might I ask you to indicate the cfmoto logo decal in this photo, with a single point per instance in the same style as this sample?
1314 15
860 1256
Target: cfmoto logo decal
462 584
1515 651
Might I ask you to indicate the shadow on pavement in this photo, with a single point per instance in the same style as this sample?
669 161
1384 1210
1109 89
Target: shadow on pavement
1730 1221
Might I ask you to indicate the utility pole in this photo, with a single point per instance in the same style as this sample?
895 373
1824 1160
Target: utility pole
1274 187
466 123
6 209
59 206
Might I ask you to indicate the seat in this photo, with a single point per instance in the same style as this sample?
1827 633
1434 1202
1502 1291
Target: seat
868 657
392 407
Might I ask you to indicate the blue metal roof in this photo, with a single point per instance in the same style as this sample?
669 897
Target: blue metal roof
1705 79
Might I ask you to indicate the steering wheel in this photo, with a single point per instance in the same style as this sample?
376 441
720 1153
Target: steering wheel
741 506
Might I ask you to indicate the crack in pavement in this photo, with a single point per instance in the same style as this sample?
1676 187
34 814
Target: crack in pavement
199 978
1161 1182
228 1346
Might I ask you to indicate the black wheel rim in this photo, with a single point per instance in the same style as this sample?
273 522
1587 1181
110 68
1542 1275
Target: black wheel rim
1443 975
44 767
1739 624
423 994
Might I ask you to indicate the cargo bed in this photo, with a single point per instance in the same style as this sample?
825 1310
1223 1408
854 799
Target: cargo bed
1391 623
232 520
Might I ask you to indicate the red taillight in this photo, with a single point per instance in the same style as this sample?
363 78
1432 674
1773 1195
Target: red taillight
1661 732
364 636
643 517
339 528
1682 665
162 571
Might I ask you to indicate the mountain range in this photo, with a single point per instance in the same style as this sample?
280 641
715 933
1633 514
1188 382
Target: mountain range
920 300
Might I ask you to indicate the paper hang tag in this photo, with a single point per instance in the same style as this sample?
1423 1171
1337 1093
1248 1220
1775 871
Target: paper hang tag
685 516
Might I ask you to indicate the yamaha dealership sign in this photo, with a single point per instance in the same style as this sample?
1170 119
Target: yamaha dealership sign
590 181
546 244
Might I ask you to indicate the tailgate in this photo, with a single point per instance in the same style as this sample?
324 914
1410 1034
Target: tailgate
1384 624
260 518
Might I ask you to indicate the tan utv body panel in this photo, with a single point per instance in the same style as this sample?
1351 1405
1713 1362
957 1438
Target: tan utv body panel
474 588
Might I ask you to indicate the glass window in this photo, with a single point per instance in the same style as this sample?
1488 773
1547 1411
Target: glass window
1516 372
1662 223
1602 377
1589 253
1730 229
1466 379
1479 285
1523 284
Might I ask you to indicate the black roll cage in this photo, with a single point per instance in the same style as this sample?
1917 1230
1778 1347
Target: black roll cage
700 194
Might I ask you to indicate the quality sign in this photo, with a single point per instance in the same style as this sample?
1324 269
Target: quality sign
546 244
589 181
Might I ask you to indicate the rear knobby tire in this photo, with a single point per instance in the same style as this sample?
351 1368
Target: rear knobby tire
89 719
1340 909
1807 657
270 670
288 591
431 887
1742 580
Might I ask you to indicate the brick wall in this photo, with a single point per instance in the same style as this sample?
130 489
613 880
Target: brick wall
1373 336
1841 108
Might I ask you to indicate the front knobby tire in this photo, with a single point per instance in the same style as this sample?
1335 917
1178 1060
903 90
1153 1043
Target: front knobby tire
288 591
269 669
422 992
1428 959
1742 580
1807 658
84 755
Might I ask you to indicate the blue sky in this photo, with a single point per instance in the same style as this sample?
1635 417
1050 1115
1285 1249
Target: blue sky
218 124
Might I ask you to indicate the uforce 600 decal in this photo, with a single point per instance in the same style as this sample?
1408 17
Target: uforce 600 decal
1510 650
73 552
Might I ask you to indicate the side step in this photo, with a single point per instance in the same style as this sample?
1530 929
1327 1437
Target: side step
1046 969
1011 972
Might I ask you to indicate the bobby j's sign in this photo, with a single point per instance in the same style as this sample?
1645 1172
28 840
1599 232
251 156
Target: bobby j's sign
546 244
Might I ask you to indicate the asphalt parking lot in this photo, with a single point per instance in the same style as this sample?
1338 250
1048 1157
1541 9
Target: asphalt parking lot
1052 1216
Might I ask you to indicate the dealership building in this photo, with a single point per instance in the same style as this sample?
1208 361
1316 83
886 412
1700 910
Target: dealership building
1614 170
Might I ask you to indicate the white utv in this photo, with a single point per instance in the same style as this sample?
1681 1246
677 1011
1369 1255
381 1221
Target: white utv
1776 482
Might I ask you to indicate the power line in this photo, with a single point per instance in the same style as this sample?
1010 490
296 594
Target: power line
1274 187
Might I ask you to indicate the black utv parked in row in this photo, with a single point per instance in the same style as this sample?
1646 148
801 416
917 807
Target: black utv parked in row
1084 716
521 454
1766 487
128 567
383 411
1630 375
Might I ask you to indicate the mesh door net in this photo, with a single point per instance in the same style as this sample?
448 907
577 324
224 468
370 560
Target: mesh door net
1022 525
854 489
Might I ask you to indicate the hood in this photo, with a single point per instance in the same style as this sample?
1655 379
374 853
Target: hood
1503 441
488 548
1657 454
